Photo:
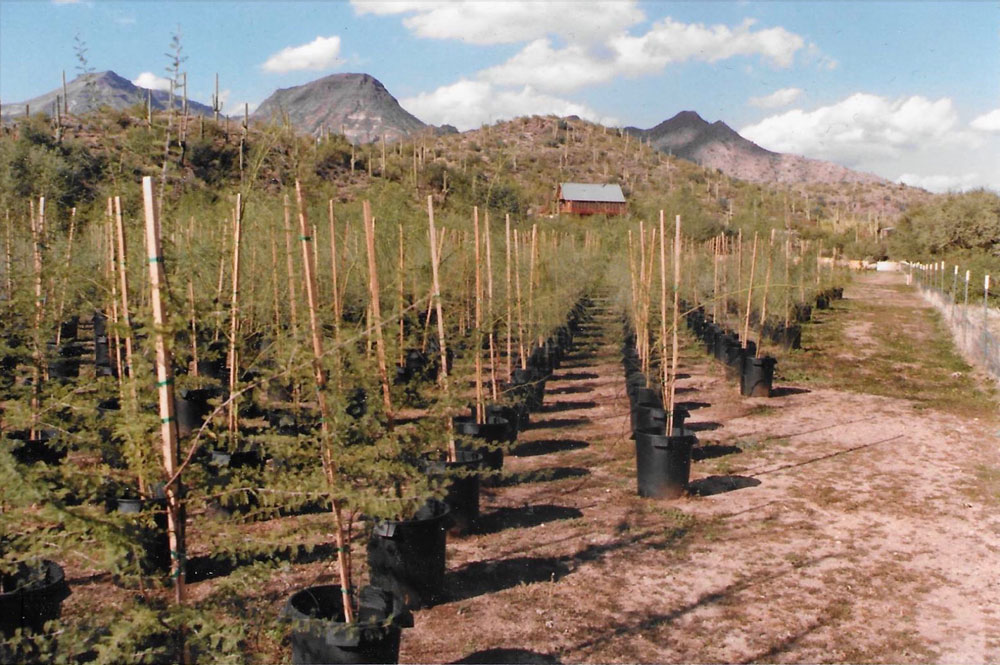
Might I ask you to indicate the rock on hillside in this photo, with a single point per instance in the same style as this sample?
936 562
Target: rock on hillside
716 145
90 92
357 105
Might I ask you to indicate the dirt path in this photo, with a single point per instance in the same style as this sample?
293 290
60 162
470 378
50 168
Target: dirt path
850 518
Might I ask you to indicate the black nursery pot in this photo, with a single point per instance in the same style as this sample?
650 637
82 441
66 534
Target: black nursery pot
803 312
484 438
757 377
190 408
154 541
822 301
648 419
790 336
663 464
407 557
320 635
44 448
462 483
33 594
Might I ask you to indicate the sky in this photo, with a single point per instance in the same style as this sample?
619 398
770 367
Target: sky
909 91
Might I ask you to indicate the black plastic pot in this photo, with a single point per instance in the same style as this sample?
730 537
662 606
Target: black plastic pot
68 329
320 635
407 557
33 594
757 376
190 408
484 438
803 312
462 483
152 540
45 448
663 464
790 336
822 301
649 419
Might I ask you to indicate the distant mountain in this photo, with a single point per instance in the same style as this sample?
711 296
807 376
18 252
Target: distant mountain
716 145
357 105
90 92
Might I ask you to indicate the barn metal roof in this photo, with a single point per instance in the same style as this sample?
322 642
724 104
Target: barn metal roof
576 191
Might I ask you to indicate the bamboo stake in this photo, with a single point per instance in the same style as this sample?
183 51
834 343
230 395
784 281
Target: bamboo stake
290 266
767 285
489 307
520 315
715 279
164 381
234 319
65 284
194 329
376 310
677 291
753 265
401 298
510 347
9 257
480 405
788 287
126 316
664 373
329 467
113 280
443 372
38 371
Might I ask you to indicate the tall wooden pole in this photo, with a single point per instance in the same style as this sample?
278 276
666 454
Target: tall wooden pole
329 464
234 318
164 382
480 405
376 309
510 340
290 266
677 291
489 306
436 297
753 265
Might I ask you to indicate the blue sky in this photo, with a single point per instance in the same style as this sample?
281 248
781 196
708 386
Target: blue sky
907 90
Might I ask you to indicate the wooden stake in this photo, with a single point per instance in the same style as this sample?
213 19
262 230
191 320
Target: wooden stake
753 265
329 466
376 308
480 404
677 292
436 297
234 319
767 285
402 299
164 381
510 347
489 307
290 265
68 261
664 370
520 317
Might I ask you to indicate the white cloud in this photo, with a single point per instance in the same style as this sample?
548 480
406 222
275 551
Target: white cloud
776 99
942 183
321 53
670 41
477 22
469 104
541 65
863 127
988 122
151 81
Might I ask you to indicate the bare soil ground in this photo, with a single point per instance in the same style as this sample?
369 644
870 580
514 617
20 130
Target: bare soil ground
852 517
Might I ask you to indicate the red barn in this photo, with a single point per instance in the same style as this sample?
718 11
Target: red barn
584 199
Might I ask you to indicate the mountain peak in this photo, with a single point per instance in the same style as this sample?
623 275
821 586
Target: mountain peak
356 104
89 92
717 145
